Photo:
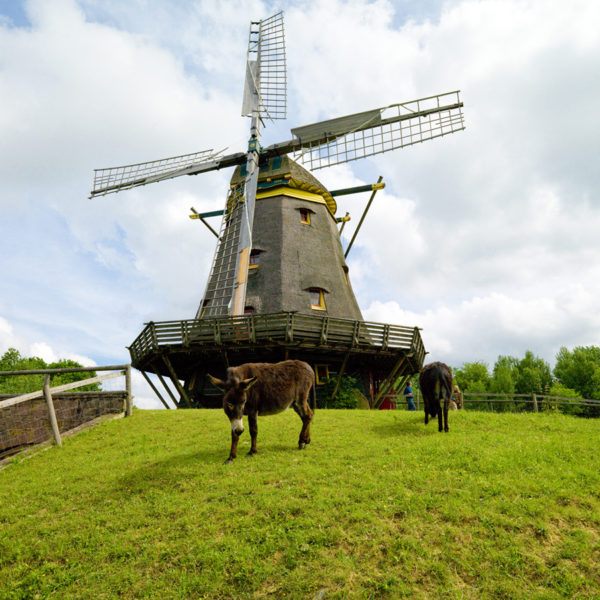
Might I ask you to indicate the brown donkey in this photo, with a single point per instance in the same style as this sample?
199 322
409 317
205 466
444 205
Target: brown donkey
266 389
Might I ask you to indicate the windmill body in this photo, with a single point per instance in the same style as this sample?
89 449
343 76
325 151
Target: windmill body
296 254
279 284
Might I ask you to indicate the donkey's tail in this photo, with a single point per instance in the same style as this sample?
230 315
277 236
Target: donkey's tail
435 405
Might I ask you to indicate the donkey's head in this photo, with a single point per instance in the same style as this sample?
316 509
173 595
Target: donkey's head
235 395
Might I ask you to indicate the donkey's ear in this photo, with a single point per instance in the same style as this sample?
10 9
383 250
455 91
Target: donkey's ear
246 384
216 382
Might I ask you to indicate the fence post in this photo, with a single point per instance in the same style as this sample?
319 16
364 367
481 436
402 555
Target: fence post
128 400
51 412
535 404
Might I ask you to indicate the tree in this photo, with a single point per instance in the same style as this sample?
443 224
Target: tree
504 375
472 377
580 370
23 384
20 384
533 376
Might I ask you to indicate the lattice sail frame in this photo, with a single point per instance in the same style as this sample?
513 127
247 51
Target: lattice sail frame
115 179
380 130
221 281
266 72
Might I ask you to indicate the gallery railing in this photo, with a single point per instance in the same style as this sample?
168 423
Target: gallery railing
281 328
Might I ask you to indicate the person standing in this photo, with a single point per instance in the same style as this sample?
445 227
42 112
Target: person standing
408 394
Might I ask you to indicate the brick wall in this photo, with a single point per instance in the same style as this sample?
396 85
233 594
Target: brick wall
27 423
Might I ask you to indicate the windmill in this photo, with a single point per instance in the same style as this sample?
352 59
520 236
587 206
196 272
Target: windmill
226 325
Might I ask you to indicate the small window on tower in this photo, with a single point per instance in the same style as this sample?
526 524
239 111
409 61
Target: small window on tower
317 298
249 310
305 216
345 268
254 259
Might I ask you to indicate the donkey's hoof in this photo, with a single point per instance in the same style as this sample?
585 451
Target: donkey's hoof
252 452
229 461
301 445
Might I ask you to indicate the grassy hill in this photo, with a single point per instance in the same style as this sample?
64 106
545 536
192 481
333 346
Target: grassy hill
378 506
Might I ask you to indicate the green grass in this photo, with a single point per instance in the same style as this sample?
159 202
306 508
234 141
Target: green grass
377 506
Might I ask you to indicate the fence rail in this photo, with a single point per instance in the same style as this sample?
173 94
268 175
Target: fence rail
538 402
48 392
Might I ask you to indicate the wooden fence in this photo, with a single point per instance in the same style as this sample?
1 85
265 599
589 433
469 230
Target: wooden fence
510 402
9 407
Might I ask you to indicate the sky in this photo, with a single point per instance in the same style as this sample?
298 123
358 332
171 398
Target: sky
488 239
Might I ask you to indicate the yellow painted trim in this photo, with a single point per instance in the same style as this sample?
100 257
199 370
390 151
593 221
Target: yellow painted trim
242 278
303 191
292 193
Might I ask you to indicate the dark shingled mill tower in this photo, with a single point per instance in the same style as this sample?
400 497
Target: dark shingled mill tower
279 285
296 262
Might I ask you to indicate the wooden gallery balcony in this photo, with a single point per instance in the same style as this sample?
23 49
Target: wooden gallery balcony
185 349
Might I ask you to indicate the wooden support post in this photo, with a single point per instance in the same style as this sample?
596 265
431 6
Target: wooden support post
386 384
51 412
176 382
535 404
160 377
374 188
129 397
155 390
339 377
400 387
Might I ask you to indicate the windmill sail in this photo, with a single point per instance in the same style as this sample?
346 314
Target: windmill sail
266 74
265 95
375 131
115 179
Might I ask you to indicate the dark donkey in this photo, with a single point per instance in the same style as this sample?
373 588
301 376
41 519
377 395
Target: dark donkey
435 382
266 389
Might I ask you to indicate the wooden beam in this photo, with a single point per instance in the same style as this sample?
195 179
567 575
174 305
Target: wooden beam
58 388
160 377
129 398
386 383
340 375
64 370
155 390
375 188
175 381
51 411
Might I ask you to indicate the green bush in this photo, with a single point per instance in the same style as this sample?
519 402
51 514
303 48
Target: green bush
348 395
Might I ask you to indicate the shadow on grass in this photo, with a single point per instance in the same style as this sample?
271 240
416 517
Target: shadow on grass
176 470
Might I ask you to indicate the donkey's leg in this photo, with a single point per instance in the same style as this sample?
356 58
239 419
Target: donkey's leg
234 442
440 428
304 412
446 405
253 424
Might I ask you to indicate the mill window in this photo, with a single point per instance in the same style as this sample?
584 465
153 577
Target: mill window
254 259
317 298
305 216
